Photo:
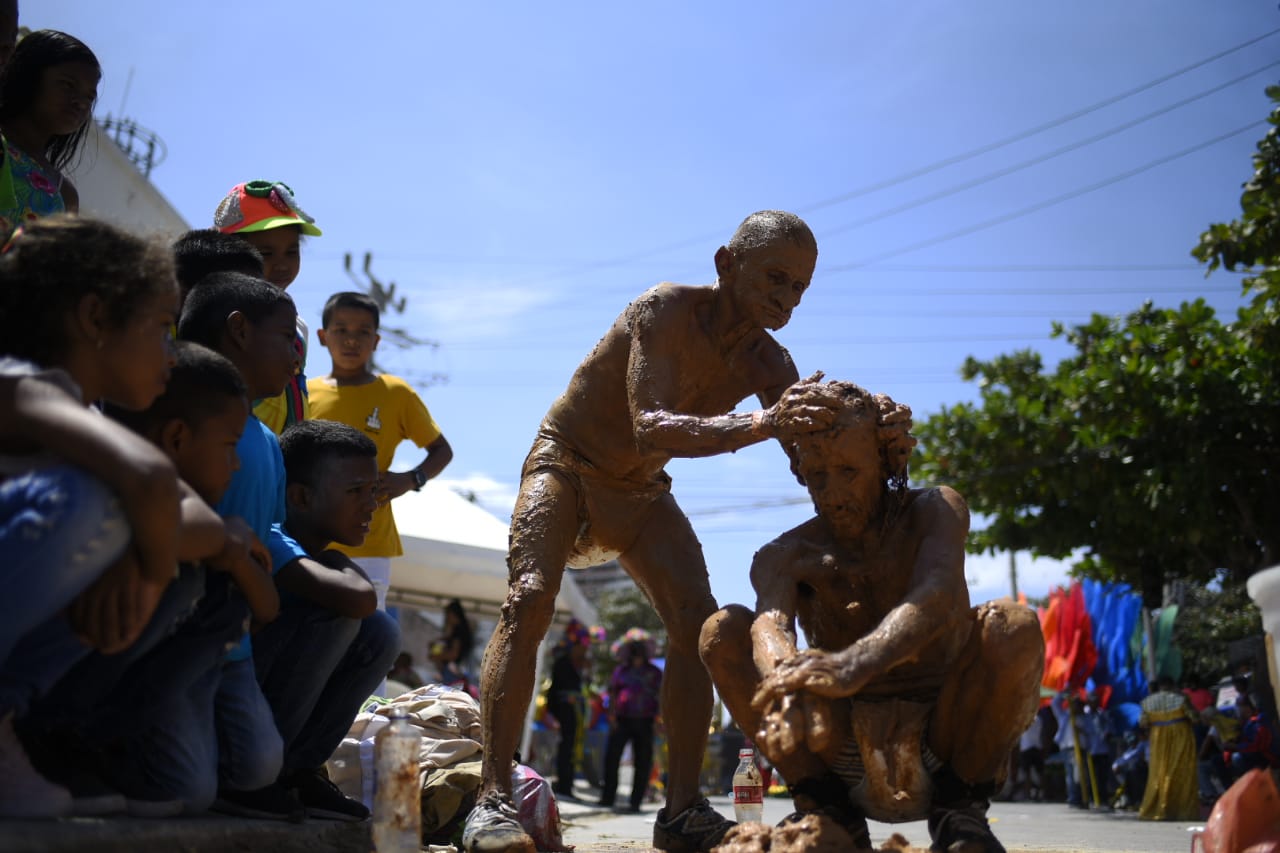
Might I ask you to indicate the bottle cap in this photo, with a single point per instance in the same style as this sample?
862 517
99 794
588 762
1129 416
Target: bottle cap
746 752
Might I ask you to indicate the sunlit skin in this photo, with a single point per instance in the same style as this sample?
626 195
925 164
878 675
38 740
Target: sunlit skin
205 452
663 382
884 606
263 352
127 365
337 506
351 337
281 250
67 95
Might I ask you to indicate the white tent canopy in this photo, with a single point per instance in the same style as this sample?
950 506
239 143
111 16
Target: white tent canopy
455 549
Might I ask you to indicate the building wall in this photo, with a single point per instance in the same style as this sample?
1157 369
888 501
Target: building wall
113 189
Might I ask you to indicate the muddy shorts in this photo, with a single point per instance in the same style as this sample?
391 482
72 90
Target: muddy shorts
611 510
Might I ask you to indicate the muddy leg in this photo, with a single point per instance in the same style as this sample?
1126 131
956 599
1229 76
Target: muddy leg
543 528
985 705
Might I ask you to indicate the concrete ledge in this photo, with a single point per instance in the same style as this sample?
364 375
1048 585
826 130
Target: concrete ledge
211 834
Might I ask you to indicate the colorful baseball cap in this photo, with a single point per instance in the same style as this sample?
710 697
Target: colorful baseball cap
261 206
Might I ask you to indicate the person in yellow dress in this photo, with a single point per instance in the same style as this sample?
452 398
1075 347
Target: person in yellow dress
1172 790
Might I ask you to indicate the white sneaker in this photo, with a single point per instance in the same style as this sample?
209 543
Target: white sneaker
24 793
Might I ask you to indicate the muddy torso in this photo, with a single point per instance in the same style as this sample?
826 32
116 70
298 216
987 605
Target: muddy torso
594 415
842 597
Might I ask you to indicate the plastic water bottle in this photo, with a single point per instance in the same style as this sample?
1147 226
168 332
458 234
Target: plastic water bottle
397 798
748 788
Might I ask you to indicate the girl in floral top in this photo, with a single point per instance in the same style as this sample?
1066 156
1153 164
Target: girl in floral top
47 93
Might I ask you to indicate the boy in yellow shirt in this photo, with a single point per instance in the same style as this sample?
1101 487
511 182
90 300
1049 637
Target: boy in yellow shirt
383 407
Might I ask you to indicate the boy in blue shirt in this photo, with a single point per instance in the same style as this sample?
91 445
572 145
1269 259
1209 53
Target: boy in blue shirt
252 324
328 610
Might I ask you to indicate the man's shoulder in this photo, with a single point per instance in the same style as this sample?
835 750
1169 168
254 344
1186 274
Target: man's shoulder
797 547
670 297
938 504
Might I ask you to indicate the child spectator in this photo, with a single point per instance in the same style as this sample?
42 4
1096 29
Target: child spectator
383 407
204 251
252 324
1256 747
166 679
265 214
88 510
47 93
329 614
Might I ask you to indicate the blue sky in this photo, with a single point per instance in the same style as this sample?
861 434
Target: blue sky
521 171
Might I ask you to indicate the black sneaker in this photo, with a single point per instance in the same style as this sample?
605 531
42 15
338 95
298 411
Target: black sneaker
963 828
697 828
493 827
323 799
274 802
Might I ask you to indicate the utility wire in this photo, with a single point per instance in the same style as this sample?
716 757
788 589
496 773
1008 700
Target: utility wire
923 170
1025 134
1034 208
1035 161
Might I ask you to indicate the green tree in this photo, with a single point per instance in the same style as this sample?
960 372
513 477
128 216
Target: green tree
1154 448
620 610
1208 622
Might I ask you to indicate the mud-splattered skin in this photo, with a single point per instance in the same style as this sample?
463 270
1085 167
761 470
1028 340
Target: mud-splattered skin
876 581
660 384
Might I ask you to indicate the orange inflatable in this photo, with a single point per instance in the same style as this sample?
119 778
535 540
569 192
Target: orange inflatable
1246 819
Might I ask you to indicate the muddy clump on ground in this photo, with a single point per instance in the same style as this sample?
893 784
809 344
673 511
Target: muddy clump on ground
814 833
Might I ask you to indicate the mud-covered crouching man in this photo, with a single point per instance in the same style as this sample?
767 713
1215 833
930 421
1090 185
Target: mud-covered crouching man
907 702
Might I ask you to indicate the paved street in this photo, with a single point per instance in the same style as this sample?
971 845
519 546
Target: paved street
1021 826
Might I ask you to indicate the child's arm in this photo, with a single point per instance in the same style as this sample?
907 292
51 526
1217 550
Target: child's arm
35 414
330 580
203 533
248 561
395 484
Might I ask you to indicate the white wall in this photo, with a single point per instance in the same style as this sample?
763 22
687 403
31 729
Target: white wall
112 188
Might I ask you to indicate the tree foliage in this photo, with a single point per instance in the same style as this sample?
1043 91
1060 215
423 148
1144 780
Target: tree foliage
1208 622
1154 448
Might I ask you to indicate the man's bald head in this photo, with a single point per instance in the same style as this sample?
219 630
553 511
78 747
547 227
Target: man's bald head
766 227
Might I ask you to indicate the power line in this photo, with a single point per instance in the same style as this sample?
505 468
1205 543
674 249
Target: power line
1035 161
1059 199
1025 134
923 170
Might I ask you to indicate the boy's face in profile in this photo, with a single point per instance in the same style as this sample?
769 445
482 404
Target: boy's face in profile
269 359
341 503
281 250
205 453
351 336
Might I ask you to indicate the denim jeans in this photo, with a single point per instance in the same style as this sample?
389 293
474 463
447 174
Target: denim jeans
102 697
217 734
60 529
345 660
